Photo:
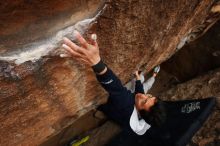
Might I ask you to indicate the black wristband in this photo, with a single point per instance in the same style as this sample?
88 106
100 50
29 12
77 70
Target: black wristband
99 67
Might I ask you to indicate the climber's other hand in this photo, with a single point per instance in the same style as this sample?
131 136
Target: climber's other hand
137 75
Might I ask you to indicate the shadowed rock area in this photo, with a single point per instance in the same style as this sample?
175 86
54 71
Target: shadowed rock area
40 97
201 87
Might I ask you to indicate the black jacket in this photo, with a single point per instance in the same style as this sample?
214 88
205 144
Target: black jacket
121 101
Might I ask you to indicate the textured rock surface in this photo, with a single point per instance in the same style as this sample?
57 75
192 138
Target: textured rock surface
196 57
39 99
26 21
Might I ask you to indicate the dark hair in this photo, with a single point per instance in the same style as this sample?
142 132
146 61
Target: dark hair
156 116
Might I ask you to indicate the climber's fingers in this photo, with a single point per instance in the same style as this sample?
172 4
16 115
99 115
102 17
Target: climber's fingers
71 51
69 43
81 40
87 53
137 75
73 46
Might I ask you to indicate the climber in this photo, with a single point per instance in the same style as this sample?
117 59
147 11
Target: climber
136 112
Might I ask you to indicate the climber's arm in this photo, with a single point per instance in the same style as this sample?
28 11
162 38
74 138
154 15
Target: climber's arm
88 53
138 85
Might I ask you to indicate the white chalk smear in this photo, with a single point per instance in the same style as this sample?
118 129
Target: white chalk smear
34 51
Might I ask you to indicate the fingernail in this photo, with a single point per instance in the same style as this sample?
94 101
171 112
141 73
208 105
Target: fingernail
65 46
63 55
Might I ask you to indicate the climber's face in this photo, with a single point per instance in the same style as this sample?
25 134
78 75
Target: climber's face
144 101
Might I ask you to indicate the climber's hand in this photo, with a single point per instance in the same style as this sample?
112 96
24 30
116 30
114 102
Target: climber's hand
137 75
88 53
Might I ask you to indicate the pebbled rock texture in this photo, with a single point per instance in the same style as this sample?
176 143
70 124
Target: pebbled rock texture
39 98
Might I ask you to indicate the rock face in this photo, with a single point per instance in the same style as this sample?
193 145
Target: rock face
24 22
38 98
201 55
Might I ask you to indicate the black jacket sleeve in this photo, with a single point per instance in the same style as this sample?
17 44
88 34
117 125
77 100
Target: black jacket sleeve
119 96
139 87
111 83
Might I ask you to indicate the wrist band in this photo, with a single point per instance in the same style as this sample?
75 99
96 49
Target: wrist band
99 67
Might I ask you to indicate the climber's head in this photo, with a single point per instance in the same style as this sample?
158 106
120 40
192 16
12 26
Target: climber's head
144 101
151 109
